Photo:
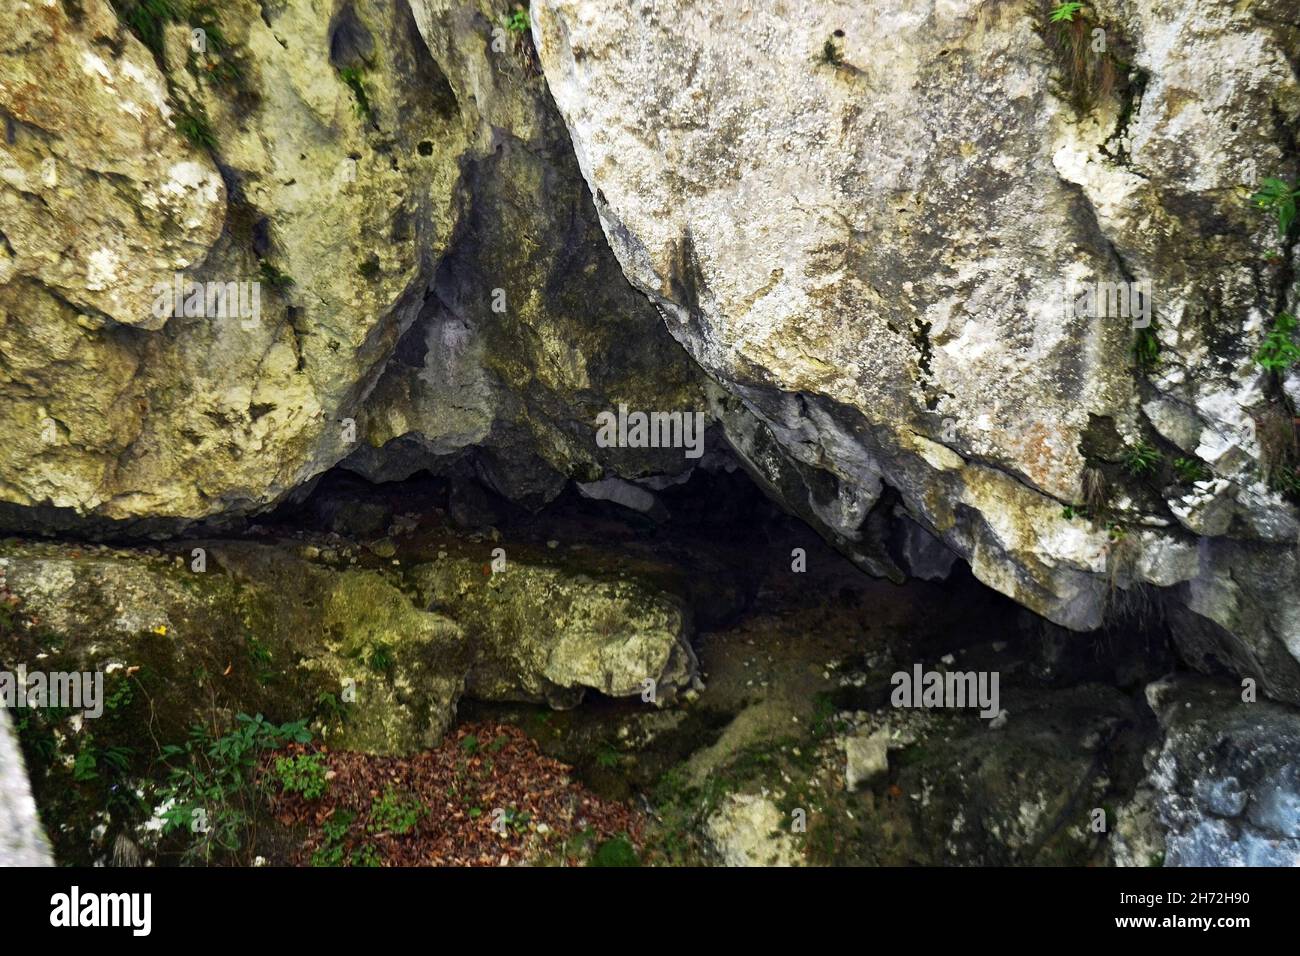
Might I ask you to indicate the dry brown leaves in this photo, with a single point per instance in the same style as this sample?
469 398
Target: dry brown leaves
485 797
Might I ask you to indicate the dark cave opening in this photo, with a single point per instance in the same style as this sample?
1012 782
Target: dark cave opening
731 552
734 547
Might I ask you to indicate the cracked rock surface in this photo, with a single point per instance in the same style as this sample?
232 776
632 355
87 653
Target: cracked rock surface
873 253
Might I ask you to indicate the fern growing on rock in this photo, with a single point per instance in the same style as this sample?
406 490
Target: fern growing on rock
1142 459
1088 70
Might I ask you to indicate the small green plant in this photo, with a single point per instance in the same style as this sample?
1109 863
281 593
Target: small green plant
1146 348
37 731
519 27
91 758
351 76
195 128
517 22
118 757
1279 445
1116 531
1287 481
1189 470
607 757
1088 69
469 743
121 696
1070 512
1278 351
1065 12
84 765
204 16
366 856
394 813
515 819
1276 197
824 721
1142 459
333 852
303 773
210 778
148 20
381 660
218 60
259 656
330 708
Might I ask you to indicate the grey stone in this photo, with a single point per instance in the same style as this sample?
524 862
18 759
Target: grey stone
867 758
1223 798
1220 757
881 287
22 841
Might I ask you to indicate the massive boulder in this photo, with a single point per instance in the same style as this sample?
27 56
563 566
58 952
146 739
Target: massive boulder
381 170
878 226
119 412
189 638
543 631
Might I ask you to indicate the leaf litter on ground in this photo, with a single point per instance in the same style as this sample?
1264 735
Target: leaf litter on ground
486 796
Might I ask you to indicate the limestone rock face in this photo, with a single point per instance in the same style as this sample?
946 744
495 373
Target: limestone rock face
122 414
530 329
379 170
21 841
873 223
867 223
91 145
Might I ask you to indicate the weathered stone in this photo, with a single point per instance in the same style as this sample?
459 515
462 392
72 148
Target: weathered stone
1137 838
921 553
102 197
867 758
261 629
536 631
885 286
749 830
22 842
1227 778
540 631
380 172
